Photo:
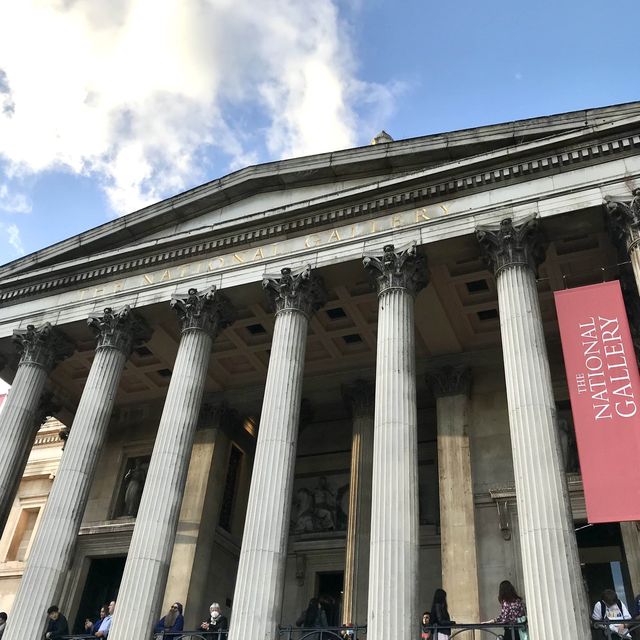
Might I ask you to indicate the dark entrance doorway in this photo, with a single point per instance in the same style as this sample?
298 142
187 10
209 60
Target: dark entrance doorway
103 582
330 589
603 562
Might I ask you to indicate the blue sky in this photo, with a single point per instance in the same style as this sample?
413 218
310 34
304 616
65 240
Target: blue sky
106 107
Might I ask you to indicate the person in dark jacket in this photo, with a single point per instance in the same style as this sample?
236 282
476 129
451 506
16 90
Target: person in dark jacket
57 626
216 622
440 615
313 617
173 621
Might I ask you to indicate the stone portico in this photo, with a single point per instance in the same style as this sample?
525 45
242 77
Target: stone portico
337 375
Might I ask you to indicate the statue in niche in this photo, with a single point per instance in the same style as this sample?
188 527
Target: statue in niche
134 484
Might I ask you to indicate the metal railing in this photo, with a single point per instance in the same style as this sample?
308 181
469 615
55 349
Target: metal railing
328 633
604 628
478 631
194 634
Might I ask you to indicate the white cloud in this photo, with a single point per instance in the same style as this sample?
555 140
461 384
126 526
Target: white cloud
11 234
135 91
13 202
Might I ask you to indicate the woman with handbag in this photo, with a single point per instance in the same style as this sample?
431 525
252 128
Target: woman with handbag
512 611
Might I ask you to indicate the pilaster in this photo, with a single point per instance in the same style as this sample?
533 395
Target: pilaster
451 387
359 398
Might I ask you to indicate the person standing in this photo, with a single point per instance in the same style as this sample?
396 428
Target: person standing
173 621
609 607
512 610
440 615
216 622
313 617
57 625
425 626
92 627
3 622
105 625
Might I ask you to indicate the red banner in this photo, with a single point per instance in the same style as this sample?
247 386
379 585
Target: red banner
604 387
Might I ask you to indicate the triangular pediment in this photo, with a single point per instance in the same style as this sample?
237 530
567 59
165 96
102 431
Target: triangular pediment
432 166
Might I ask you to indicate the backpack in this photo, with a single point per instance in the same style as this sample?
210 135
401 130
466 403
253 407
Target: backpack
603 610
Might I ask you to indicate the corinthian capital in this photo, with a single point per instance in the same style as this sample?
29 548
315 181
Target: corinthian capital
299 290
401 269
624 216
120 330
509 245
210 311
449 381
44 346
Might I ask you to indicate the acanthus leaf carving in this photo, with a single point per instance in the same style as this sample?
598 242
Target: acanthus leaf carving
120 330
624 219
509 244
300 290
398 269
44 346
210 311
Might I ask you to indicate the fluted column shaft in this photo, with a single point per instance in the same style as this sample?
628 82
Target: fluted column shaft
54 543
257 601
145 574
360 398
393 564
41 349
457 517
551 569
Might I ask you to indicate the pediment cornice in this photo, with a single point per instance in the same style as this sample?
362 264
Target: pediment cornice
424 188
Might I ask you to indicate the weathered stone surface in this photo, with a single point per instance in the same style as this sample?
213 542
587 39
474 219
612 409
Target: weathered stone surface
552 576
145 575
52 549
259 586
393 564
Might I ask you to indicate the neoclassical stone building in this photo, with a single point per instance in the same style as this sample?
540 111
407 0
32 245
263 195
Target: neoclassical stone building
337 375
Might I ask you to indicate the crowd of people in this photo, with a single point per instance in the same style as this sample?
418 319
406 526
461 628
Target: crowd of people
170 625
609 614
436 623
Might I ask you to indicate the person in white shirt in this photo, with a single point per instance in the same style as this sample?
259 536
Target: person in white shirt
609 607
103 631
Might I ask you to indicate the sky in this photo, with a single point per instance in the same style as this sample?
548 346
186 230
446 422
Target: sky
106 107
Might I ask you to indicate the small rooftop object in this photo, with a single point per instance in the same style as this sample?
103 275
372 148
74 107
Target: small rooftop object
382 138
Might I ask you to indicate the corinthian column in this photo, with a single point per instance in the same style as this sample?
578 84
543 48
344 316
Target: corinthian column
457 520
257 601
41 349
144 580
54 543
393 564
359 398
624 217
553 584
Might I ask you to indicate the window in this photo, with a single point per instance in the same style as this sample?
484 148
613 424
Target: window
22 536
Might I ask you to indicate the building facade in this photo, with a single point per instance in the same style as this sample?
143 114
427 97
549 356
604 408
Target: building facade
333 376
